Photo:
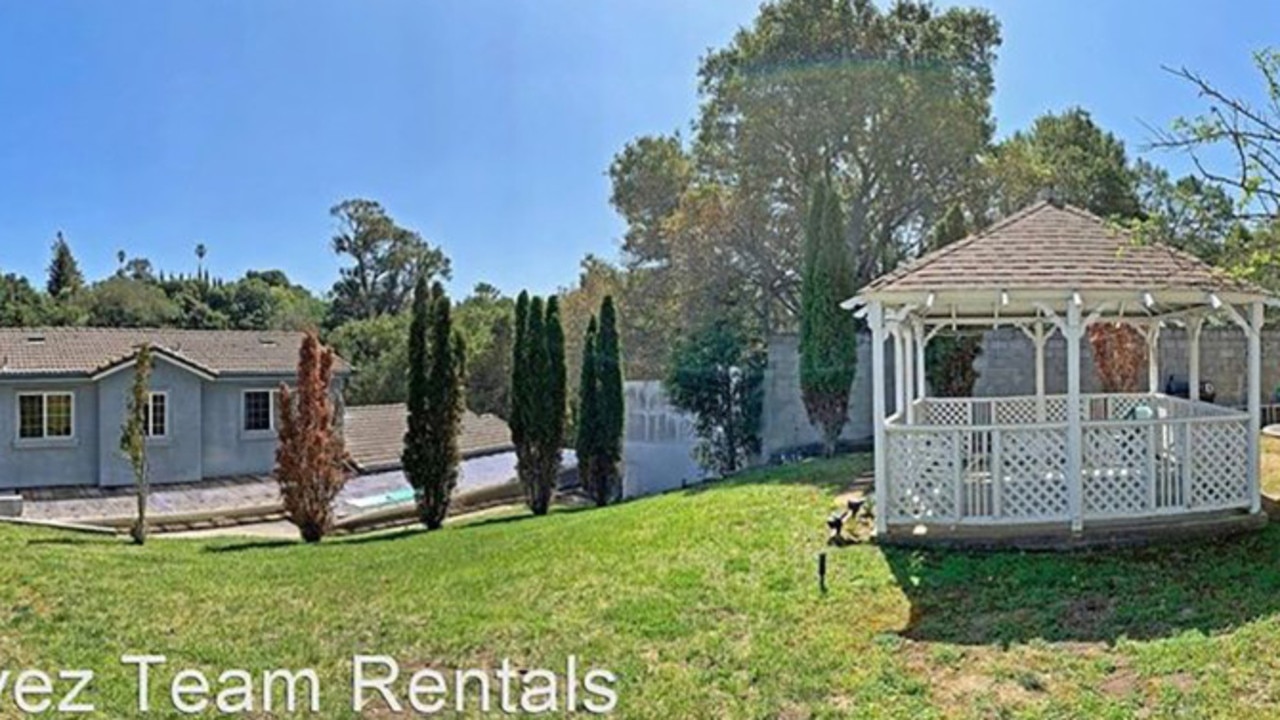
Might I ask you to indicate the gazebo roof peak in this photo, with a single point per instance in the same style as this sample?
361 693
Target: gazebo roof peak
1050 249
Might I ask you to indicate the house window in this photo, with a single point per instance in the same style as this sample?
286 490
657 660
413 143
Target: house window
259 411
157 424
45 415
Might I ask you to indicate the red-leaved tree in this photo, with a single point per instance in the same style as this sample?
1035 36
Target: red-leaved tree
1119 355
310 451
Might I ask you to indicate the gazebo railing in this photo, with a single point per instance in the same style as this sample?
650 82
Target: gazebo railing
978 460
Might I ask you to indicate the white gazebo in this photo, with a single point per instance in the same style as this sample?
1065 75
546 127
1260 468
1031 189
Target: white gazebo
1068 465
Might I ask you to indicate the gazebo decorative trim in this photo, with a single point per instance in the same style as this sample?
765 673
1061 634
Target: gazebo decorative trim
1057 463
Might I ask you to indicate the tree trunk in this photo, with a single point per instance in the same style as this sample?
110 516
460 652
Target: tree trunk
311 532
139 530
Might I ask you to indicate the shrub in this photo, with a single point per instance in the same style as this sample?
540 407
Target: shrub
309 450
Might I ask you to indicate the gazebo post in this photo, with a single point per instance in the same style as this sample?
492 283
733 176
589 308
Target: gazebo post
1037 336
908 371
917 327
899 369
1195 324
875 318
1153 356
1073 331
1255 404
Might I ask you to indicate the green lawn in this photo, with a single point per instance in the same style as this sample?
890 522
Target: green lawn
705 604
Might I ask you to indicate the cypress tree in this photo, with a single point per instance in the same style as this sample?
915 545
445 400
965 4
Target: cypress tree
64 272
828 337
532 406
416 457
587 444
557 389
444 400
519 373
612 399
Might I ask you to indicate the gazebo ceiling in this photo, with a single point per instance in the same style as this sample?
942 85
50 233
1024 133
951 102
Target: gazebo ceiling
1047 255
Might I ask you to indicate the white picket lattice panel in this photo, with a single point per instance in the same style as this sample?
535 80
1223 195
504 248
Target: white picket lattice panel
922 475
1219 464
1003 460
1032 473
1055 409
1016 411
948 411
1115 470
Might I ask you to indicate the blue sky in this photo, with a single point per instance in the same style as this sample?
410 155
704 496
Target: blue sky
487 125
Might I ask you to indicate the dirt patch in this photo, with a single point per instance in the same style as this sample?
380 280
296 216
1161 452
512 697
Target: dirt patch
957 686
1121 684
1182 682
793 711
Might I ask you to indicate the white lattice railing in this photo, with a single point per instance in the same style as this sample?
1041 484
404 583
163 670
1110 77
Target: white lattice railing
983 461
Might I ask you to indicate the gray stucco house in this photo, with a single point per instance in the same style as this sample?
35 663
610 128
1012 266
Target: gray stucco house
63 393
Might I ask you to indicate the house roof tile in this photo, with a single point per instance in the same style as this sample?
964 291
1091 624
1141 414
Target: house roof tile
88 351
374 435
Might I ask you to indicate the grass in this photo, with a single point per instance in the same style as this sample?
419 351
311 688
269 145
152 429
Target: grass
704 602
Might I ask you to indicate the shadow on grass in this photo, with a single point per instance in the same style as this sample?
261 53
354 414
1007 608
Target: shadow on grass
391 535
254 545
100 540
1098 596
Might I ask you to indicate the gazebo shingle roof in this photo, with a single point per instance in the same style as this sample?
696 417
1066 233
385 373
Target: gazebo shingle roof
1048 245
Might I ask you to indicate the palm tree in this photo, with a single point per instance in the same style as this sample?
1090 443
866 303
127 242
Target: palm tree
201 251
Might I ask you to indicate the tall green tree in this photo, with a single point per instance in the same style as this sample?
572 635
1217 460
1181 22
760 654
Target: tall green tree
589 431
531 405
1071 156
601 411
555 405
133 438
416 456
65 278
612 397
443 390
893 103
516 415
539 391
828 336
385 259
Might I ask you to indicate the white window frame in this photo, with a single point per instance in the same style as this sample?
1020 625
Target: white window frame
271 409
150 399
44 416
